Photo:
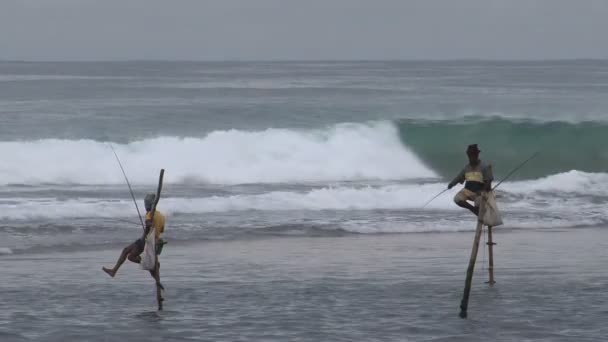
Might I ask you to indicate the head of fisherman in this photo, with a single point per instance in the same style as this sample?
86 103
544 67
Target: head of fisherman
473 154
149 201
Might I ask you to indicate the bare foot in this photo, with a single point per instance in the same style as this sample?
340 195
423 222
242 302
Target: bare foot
110 272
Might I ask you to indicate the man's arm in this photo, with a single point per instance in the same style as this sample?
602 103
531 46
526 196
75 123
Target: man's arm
488 177
487 186
458 179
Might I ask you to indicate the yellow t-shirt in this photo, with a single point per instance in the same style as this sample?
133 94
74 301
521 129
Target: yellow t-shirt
159 222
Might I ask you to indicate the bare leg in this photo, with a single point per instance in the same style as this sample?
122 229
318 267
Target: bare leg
466 205
134 258
132 252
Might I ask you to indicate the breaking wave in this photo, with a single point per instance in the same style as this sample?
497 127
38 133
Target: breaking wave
339 153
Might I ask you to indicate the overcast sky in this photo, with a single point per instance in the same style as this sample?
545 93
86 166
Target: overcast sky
302 29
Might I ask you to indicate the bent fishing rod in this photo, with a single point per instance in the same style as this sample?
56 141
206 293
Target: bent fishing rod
496 186
515 169
129 185
432 199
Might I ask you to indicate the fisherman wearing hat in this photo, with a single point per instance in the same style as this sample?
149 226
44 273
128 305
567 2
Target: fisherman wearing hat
478 176
134 250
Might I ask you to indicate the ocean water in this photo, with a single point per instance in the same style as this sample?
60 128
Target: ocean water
272 148
286 150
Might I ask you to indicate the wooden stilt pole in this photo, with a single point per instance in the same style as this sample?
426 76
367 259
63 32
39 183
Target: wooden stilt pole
159 293
491 256
159 287
464 304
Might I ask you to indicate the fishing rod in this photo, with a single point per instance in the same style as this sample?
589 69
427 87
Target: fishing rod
515 169
129 185
496 186
432 199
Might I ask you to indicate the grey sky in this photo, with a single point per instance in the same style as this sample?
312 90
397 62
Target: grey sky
303 29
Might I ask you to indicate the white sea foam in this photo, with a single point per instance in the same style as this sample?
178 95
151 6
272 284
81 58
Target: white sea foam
338 153
541 197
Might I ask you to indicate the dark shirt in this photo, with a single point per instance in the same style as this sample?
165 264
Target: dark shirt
475 176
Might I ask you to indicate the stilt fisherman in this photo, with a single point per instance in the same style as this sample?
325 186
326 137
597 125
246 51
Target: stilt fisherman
478 177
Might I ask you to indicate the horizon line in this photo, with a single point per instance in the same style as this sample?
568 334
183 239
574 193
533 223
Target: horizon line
288 60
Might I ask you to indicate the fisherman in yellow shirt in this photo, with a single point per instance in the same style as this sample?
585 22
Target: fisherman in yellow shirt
478 176
134 250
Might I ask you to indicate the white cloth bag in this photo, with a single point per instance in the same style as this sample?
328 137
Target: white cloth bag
148 260
489 213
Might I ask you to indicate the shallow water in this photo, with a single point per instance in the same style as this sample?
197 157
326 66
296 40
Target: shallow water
404 287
